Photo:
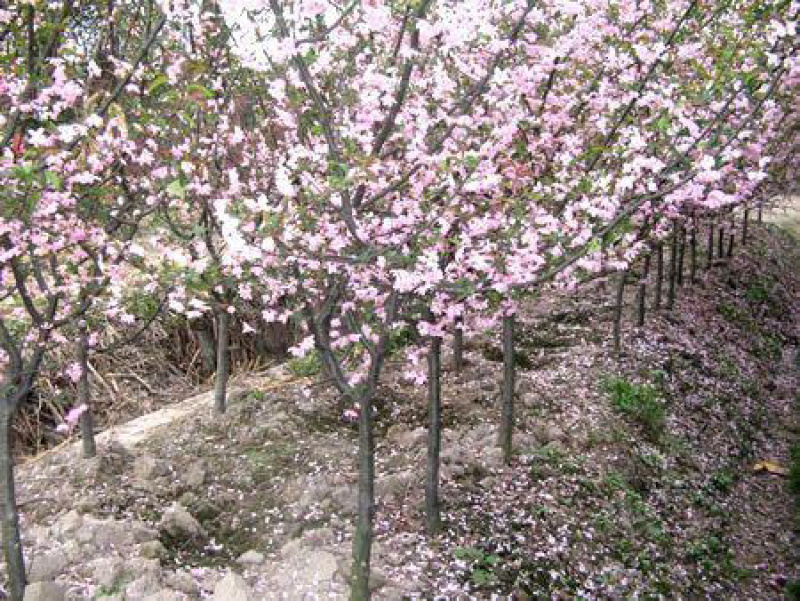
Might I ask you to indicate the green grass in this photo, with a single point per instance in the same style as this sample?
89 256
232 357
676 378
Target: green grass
640 403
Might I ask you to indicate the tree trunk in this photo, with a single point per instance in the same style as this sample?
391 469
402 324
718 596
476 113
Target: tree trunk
208 348
509 375
731 240
433 518
618 304
673 268
745 225
659 275
710 253
693 254
681 254
362 540
223 361
86 418
760 214
641 296
12 540
721 242
458 346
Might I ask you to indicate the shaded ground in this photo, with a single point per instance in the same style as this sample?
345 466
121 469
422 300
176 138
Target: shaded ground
634 475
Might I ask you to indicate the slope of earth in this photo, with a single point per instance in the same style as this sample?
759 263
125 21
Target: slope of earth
656 474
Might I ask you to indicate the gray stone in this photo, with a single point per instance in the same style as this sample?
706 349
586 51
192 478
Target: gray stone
305 569
147 467
251 557
195 475
47 566
492 457
165 595
182 581
69 522
153 549
177 521
107 572
232 588
45 591
143 586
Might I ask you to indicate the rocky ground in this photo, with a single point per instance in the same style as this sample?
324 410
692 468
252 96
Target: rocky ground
657 474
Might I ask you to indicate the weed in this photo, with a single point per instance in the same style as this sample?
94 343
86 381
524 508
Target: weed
638 402
302 367
481 565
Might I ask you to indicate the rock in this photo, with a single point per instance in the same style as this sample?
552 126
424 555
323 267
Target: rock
153 550
492 457
107 572
345 499
251 557
165 595
177 521
195 475
306 569
143 586
69 522
412 438
47 566
182 581
147 467
45 591
393 486
232 588
547 433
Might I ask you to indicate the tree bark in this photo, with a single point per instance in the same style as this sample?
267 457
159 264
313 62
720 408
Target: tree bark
12 539
205 339
659 275
710 253
721 242
86 419
731 240
223 361
458 346
433 517
618 304
693 254
641 297
509 376
362 540
745 225
673 268
681 253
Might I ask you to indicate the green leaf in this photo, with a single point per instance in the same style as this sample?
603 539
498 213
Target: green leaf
158 84
176 189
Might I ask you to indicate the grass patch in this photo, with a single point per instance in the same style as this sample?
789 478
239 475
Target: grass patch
640 403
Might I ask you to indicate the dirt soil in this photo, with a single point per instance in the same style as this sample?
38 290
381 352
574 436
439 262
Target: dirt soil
639 476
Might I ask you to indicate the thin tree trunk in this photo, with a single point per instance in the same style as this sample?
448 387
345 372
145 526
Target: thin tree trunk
223 361
673 268
760 214
731 240
681 254
618 305
659 275
745 225
721 242
458 346
693 253
12 539
362 540
86 419
641 295
433 518
710 253
205 339
509 376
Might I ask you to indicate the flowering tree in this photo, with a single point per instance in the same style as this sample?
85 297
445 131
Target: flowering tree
67 220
